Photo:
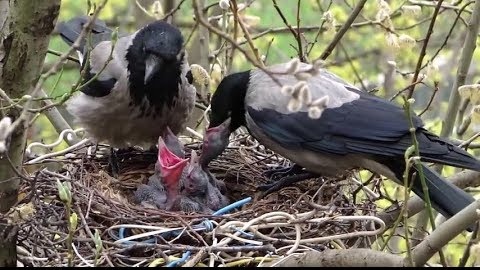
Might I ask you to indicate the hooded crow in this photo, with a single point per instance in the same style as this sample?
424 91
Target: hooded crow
334 127
145 86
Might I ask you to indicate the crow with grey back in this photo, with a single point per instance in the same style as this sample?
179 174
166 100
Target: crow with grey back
145 87
356 130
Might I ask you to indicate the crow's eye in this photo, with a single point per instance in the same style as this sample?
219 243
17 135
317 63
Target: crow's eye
189 77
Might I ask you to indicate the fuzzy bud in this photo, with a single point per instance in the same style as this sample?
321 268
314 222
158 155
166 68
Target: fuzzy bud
321 102
392 63
292 66
294 105
304 95
287 90
199 74
224 4
475 116
330 22
5 124
73 221
383 11
303 76
314 112
157 10
392 40
298 86
471 92
26 97
98 241
406 41
318 64
433 72
411 10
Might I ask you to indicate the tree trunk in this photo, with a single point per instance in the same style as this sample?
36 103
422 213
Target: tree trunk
25 33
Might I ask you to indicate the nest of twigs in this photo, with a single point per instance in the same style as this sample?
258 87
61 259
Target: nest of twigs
316 214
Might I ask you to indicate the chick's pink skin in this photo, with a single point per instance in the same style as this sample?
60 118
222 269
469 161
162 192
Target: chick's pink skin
171 169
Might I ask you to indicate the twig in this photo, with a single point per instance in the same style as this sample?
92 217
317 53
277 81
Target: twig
245 33
466 252
295 33
231 41
432 97
463 67
343 30
171 12
24 114
423 52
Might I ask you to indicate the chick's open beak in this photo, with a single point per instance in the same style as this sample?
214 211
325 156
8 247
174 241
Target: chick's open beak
171 166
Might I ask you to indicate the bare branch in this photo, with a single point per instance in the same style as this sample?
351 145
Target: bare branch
444 233
343 30
340 258
463 66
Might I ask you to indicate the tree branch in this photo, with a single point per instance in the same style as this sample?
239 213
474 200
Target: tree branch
423 52
340 258
444 233
343 30
467 52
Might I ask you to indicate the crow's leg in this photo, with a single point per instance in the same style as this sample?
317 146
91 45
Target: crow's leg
285 182
113 165
280 172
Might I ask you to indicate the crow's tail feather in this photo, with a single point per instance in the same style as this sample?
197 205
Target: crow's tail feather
445 197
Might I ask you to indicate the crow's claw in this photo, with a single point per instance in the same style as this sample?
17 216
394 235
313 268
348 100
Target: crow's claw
284 182
282 172
113 165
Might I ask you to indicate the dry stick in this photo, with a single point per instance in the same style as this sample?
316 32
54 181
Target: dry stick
219 33
466 252
319 28
447 37
343 30
431 4
464 64
245 33
423 52
296 34
355 72
57 119
444 233
281 30
432 97
55 67
299 37
171 12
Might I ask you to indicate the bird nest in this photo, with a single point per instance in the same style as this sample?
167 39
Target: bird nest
111 230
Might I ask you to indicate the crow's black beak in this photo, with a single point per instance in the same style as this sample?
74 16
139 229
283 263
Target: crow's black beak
152 65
